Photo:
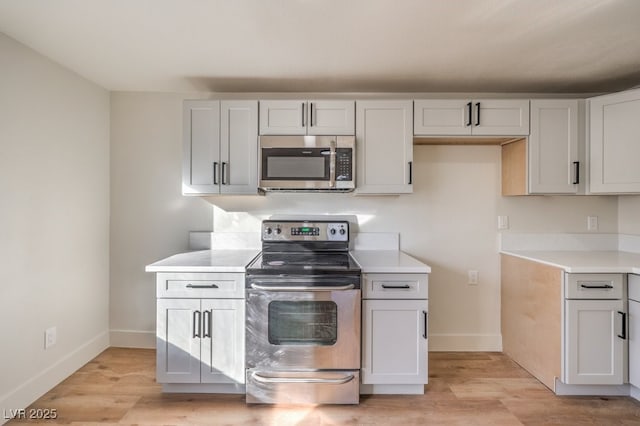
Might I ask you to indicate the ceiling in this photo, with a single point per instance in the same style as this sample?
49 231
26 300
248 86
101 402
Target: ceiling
544 46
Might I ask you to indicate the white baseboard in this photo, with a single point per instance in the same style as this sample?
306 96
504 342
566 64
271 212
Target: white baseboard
46 379
133 339
465 342
591 390
634 392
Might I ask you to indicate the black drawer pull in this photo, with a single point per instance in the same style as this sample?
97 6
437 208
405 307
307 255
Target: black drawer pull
604 287
406 286
202 286
197 325
624 325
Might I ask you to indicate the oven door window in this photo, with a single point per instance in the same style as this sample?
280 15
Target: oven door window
295 164
303 322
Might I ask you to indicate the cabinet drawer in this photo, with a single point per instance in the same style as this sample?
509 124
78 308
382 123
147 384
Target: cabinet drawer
395 286
593 286
634 287
200 285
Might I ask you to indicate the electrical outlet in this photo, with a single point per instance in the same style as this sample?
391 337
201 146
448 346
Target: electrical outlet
50 337
592 223
503 222
473 277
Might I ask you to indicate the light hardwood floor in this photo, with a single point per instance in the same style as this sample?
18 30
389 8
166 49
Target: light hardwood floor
118 388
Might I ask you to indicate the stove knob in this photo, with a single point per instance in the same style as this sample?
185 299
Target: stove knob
342 231
278 231
332 231
269 231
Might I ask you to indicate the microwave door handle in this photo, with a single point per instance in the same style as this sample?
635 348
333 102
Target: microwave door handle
332 164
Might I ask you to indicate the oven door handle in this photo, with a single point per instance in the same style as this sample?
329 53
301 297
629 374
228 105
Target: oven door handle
301 287
262 379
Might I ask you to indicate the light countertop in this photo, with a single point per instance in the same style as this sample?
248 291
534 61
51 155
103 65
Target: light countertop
205 261
388 261
612 261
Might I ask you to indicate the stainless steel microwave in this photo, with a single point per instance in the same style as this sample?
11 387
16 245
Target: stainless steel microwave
307 163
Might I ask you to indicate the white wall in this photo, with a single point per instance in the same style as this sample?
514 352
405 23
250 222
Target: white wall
629 214
54 222
150 219
449 221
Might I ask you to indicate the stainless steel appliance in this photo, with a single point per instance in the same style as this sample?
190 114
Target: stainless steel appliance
307 163
303 315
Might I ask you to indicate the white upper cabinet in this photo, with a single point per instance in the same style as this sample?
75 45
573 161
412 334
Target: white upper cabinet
615 143
285 117
554 157
220 140
477 117
384 147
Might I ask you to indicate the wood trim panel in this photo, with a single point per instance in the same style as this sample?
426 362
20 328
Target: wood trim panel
514 168
531 316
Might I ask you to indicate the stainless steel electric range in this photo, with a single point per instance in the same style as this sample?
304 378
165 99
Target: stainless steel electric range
303 315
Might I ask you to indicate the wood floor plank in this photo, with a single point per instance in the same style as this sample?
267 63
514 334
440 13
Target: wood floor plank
480 388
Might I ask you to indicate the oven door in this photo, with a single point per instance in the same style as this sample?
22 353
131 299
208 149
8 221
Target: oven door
302 329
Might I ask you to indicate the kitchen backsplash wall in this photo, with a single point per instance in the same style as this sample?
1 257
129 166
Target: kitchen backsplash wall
629 214
449 222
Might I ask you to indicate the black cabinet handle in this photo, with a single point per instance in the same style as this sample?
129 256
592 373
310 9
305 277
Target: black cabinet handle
470 111
311 112
604 287
224 172
196 324
624 325
201 285
478 114
426 325
410 172
207 321
303 114
396 286
215 172
576 165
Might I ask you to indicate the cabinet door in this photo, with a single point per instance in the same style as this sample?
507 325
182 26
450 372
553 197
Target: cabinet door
223 341
394 346
594 352
331 118
283 117
495 117
201 147
384 147
435 117
614 130
177 342
553 147
634 330
239 147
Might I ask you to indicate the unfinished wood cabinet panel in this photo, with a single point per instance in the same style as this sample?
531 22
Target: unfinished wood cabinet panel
514 168
531 316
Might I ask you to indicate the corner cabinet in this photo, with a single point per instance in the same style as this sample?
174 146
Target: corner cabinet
395 333
614 143
220 147
315 117
471 117
384 147
634 330
551 160
200 332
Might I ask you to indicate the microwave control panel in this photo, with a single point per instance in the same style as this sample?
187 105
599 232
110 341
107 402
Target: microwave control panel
344 166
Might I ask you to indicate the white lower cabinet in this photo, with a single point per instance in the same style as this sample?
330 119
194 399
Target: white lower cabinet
634 330
200 339
395 342
595 330
395 333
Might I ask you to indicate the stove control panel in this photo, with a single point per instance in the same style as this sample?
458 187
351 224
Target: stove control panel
305 231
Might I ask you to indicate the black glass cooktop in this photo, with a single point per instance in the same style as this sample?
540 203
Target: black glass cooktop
303 263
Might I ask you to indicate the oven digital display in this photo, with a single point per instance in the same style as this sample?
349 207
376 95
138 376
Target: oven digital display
305 230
